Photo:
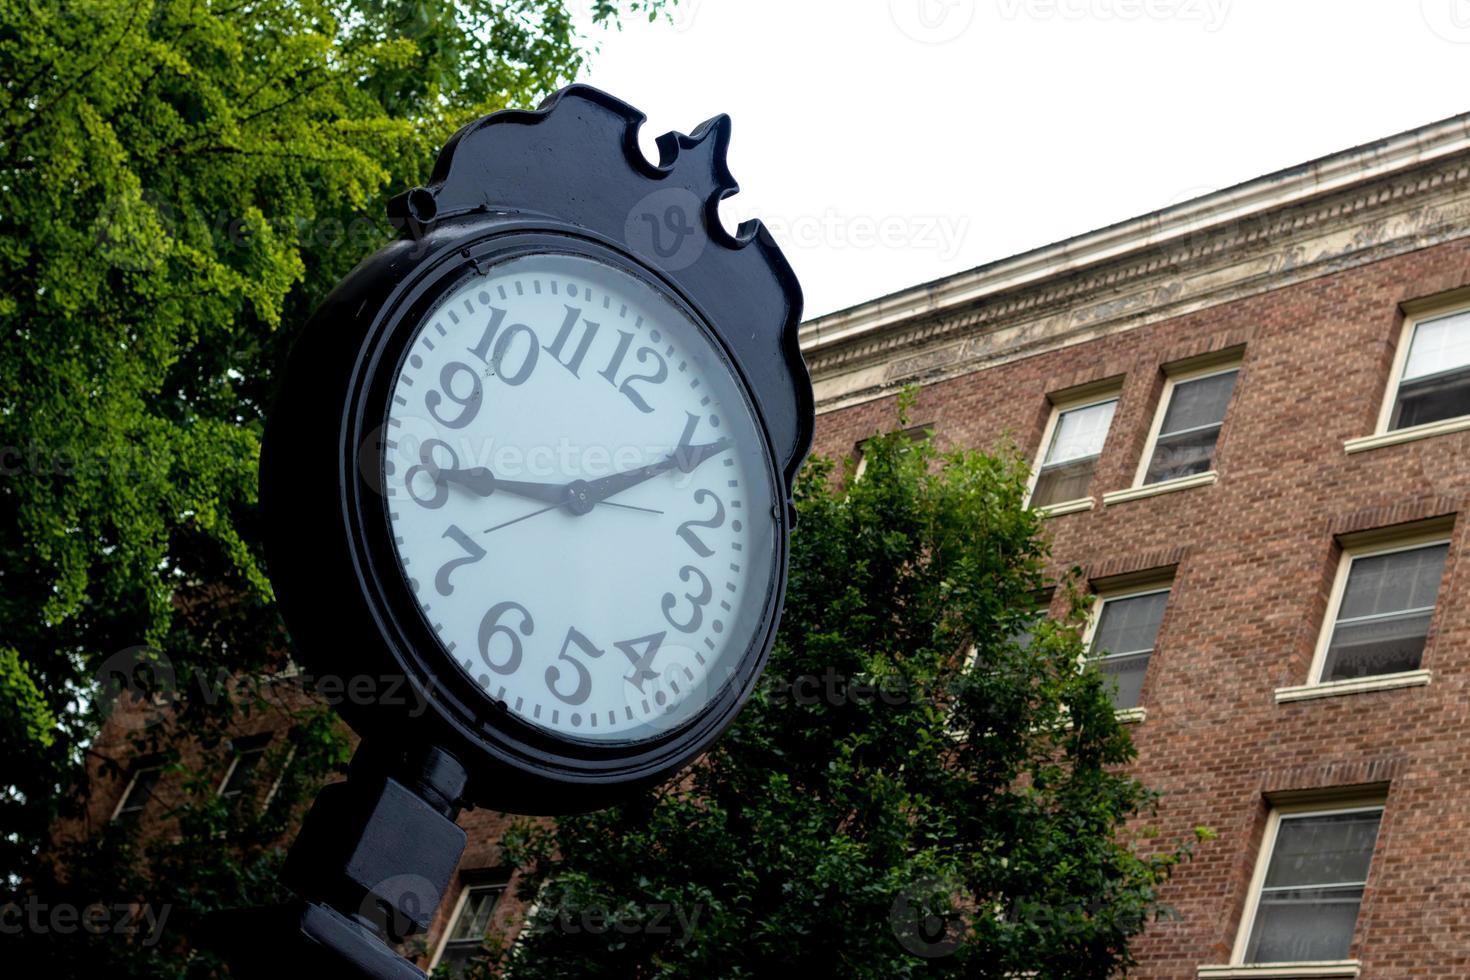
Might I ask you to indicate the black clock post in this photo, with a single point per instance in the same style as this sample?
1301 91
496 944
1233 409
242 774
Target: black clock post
560 197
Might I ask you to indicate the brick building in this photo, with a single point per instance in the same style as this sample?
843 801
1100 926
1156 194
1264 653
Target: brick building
1250 420
1250 416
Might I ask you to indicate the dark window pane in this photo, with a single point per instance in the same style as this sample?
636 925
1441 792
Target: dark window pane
1436 380
1431 399
1303 925
139 792
1376 646
1024 634
1126 674
242 776
1181 455
1393 582
1068 481
467 935
1129 624
1198 402
1323 849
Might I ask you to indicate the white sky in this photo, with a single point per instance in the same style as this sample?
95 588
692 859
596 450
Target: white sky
889 142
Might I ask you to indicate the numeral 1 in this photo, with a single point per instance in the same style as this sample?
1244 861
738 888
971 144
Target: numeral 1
557 346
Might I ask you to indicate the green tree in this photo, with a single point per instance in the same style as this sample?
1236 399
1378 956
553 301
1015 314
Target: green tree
878 809
180 183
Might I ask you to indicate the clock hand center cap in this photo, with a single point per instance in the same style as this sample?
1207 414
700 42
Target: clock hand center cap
579 500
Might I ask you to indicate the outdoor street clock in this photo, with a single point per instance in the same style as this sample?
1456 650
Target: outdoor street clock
527 486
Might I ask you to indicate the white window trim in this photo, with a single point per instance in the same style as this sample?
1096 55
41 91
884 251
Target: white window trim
128 789
1382 435
1171 380
1096 396
1352 685
1204 479
1314 968
280 775
459 902
1064 507
1137 713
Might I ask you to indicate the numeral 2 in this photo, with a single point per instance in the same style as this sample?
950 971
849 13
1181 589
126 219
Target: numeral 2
693 540
625 340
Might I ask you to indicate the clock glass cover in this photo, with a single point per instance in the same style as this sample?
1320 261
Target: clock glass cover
579 496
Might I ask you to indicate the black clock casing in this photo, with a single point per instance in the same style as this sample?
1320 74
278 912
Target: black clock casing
568 177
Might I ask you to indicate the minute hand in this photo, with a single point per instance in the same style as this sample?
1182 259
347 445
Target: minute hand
685 459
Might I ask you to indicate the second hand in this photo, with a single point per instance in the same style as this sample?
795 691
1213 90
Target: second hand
601 503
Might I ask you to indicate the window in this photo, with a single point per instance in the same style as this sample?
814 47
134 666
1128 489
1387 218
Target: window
913 434
1073 442
1434 380
1123 640
1192 410
1382 603
1308 886
462 943
240 777
136 794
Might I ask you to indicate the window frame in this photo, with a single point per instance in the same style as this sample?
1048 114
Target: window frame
1413 316
1359 803
138 769
1350 553
1151 585
239 748
912 434
499 883
1062 403
1174 376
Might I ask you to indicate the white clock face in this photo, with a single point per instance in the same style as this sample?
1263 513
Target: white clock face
579 497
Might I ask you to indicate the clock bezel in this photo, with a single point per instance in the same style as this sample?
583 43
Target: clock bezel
480 722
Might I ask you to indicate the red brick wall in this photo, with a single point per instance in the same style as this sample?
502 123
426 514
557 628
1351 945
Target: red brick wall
1256 555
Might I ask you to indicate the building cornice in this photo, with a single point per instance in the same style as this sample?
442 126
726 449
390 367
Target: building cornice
1361 205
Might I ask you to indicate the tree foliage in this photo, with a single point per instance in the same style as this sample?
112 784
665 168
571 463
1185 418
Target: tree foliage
180 182
879 809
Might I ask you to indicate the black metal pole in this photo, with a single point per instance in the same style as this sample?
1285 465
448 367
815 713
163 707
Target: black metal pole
370 867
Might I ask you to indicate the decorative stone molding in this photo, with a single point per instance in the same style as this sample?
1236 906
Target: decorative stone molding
1359 206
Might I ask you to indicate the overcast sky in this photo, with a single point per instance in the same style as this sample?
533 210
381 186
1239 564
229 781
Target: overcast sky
889 142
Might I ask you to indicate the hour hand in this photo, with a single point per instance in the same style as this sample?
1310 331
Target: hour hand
479 480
